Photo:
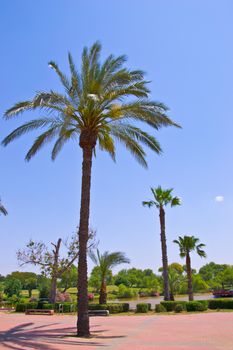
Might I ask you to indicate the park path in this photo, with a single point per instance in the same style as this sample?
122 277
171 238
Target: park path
206 331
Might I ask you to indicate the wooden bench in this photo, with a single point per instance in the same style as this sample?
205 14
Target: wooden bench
39 312
98 313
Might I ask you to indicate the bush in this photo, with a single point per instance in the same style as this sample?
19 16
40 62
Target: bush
149 306
160 308
113 308
22 307
65 307
48 306
97 307
170 305
125 307
179 308
126 292
220 304
142 307
196 306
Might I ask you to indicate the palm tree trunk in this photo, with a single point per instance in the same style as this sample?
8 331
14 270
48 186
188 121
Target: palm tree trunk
164 253
189 276
83 318
103 292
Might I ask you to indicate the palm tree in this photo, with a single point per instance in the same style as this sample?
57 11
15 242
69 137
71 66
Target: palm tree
187 244
105 262
162 198
3 209
100 105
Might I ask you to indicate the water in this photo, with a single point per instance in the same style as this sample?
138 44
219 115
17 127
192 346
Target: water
156 300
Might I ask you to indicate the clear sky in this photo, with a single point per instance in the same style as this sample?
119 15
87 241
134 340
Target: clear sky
186 49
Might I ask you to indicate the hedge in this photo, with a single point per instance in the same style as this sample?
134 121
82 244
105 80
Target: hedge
160 308
113 308
201 305
220 304
22 307
170 305
142 307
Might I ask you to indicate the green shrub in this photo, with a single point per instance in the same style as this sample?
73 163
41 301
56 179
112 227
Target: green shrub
142 307
65 307
97 307
126 292
113 308
179 308
170 305
125 307
160 308
48 306
220 304
149 306
196 306
22 307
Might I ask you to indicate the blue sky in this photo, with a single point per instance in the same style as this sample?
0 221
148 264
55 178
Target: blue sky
186 49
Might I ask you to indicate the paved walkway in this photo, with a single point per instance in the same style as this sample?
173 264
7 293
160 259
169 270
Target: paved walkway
209 331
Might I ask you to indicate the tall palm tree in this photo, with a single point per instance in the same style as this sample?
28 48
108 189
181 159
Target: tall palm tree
100 105
187 244
161 198
105 262
3 209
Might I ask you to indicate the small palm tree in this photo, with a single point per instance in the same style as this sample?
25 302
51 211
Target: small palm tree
105 262
187 244
161 198
100 105
3 209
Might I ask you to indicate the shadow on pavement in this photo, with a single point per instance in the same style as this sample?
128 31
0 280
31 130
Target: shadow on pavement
29 336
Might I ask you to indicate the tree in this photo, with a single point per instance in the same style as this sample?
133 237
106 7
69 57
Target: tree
69 278
161 198
187 244
175 278
95 278
27 279
3 209
50 261
105 262
12 287
100 105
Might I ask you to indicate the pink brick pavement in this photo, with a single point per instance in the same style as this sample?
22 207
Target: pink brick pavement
209 331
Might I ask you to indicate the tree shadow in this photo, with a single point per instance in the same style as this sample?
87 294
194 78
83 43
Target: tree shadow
29 336
32 337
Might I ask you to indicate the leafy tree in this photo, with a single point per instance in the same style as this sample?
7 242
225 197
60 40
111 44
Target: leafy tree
69 278
2 278
187 244
211 273
50 261
225 277
105 262
12 287
100 105
199 285
27 279
3 209
162 198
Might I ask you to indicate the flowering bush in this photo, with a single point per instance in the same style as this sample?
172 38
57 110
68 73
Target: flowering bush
63 297
90 296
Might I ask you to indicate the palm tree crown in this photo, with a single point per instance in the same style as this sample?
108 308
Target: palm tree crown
99 104
3 209
162 198
108 260
188 244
